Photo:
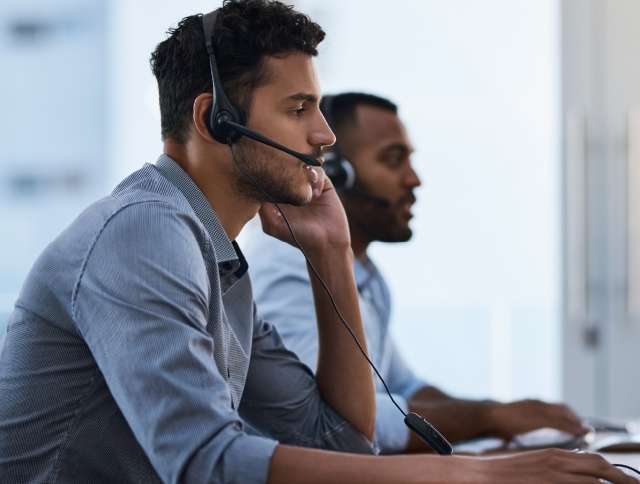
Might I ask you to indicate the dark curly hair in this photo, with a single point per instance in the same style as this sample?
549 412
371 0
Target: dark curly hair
246 31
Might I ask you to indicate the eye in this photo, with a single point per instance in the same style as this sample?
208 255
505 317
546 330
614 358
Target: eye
394 158
298 111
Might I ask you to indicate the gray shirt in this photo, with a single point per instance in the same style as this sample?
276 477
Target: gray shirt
283 294
134 353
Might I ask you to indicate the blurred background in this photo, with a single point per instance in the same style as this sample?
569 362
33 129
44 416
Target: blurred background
523 277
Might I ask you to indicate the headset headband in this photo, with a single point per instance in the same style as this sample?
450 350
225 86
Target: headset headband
222 110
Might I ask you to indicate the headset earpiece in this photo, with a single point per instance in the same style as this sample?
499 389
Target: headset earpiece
222 110
339 170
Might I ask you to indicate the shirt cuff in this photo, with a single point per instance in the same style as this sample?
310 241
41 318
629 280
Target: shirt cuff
250 458
392 435
345 438
410 388
246 459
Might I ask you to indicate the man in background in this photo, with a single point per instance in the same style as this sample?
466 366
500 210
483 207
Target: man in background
372 138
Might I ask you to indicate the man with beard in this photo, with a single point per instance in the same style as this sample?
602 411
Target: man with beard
373 139
134 353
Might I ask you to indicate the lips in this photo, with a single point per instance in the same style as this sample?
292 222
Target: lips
406 211
405 204
407 200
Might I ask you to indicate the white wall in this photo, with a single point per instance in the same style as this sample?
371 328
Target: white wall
52 93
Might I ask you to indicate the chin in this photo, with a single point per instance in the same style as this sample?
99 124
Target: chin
298 198
303 198
399 234
307 195
405 233
300 194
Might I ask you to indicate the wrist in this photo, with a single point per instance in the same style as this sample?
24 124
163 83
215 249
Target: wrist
479 470
490 411
470 469
330 254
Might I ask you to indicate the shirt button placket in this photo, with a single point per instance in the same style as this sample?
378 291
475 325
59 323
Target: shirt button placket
233 404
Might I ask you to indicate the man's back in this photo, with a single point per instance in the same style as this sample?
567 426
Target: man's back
56 397
53 392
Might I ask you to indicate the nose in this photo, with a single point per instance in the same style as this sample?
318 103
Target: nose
412 180
321 134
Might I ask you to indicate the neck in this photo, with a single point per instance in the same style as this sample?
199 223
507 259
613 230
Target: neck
211 173
359 242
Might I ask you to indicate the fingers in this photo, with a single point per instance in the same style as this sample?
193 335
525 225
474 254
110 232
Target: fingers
318 181
271 218
555 415
592 465
554 465
563 418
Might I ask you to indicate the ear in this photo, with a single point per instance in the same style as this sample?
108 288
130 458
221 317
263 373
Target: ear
201 110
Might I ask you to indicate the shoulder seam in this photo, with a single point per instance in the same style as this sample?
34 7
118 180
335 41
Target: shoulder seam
76 286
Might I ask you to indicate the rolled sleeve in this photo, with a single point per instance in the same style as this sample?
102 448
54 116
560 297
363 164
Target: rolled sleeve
282 398
246 459
142 306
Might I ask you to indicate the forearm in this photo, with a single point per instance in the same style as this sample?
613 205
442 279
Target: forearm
292 465
461 419
343 374
456 419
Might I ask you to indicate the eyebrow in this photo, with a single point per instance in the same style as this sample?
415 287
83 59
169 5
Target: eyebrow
398 147
301 96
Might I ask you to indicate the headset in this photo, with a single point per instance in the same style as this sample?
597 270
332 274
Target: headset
226 125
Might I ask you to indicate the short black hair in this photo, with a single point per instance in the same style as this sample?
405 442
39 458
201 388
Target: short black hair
246 31
340 109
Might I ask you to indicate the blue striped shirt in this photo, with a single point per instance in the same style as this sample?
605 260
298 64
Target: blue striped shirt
134 353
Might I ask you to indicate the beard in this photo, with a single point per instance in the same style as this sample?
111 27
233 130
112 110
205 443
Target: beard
266 175
379 221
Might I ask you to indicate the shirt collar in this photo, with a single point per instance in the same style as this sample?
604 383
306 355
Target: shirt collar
364 272
226 252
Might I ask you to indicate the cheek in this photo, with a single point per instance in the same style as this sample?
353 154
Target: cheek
295 134
381 183
284 128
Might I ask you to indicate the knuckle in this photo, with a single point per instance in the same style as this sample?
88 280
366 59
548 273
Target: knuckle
555 457
597 461
601 462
